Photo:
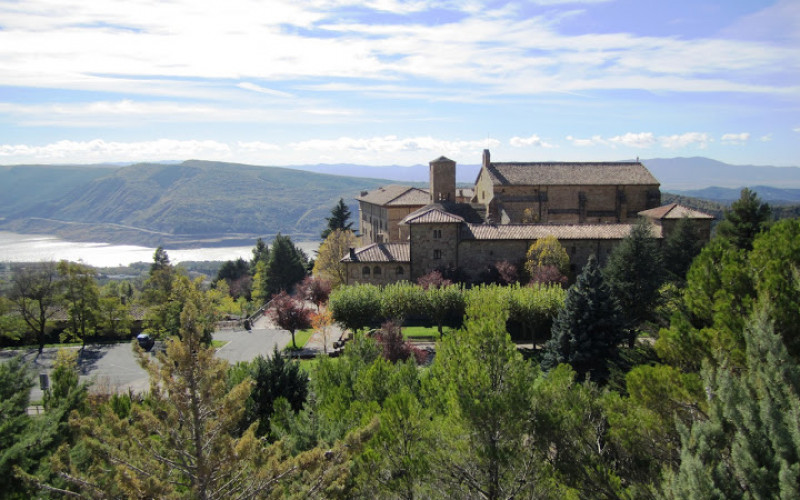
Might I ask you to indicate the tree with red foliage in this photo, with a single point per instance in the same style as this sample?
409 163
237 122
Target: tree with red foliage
507 272
395 347
547 275
289 313
315 289
433 279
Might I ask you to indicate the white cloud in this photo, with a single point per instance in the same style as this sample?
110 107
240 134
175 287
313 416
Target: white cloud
765 138
678 141
735 139
98 151
262 90
257 146
392 144
635 140
796 129
595 140
534 140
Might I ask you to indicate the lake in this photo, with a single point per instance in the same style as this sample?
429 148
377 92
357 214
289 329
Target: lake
15 247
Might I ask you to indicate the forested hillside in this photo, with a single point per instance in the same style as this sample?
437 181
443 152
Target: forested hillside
194 200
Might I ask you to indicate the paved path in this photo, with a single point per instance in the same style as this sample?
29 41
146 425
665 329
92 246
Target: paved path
114 368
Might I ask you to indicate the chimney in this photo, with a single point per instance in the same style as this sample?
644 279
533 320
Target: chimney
487 158
364 193
353 254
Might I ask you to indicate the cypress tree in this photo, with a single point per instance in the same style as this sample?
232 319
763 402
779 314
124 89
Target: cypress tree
588 330
286 266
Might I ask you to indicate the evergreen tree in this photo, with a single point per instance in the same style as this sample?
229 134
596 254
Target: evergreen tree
680 248
286 266
634 272
483 389
179 443
587 331
260 253
747 217
273 377
749 447
340 215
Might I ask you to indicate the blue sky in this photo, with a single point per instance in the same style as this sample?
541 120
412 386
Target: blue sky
391 82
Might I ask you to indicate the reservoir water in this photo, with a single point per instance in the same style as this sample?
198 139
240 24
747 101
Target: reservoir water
16 247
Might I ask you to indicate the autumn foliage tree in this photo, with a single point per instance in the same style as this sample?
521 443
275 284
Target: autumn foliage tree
289 314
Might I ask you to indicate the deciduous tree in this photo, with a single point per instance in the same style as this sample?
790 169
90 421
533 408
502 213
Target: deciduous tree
35 291
289 313
81 298
328 263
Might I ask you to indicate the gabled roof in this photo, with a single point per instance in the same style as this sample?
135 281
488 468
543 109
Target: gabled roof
380 252
570 173
674 211
560 231
431 214
396 195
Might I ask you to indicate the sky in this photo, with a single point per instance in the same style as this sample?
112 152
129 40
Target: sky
393 82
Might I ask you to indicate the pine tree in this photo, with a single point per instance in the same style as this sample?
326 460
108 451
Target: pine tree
749 447
286 266
635 272
747 217
340 215
680 248
587 331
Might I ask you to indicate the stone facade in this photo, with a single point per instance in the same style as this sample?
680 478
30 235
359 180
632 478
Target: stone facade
589 207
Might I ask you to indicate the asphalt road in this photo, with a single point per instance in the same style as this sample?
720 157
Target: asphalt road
113 367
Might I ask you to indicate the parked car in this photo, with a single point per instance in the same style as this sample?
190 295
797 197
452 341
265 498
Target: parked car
146 342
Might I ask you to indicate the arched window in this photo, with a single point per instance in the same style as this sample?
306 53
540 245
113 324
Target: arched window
376 271
365 271
400 270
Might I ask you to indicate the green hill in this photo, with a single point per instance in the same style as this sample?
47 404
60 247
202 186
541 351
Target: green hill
194 202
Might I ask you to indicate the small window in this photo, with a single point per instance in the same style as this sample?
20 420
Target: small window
437 233
400 270
365 271
376 271
437 254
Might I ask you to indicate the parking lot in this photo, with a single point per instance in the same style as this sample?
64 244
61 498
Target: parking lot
113 367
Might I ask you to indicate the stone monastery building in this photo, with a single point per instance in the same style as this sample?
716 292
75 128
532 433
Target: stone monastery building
588 206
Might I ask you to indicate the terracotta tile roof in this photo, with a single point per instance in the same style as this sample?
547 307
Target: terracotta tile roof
414 196
381 252
560 231
570 173
431 214
385 195
674 211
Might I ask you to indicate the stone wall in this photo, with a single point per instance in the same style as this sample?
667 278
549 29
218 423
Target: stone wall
380 273
433 246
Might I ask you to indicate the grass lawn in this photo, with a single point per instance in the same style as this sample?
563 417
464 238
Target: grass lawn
423 333
217 344
301 337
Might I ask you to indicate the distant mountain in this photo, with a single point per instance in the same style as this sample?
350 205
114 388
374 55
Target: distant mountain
25 186
191 202
414 174
698 172
675 174
773 196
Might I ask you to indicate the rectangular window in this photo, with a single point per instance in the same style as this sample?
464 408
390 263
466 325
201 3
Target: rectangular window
437 233
437 254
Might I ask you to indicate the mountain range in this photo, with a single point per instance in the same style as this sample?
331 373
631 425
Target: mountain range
204 203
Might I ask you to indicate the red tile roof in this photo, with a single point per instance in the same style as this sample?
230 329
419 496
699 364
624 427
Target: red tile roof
381 252
570 173
560 231
674 211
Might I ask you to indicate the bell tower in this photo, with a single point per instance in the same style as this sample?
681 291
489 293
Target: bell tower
443 180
